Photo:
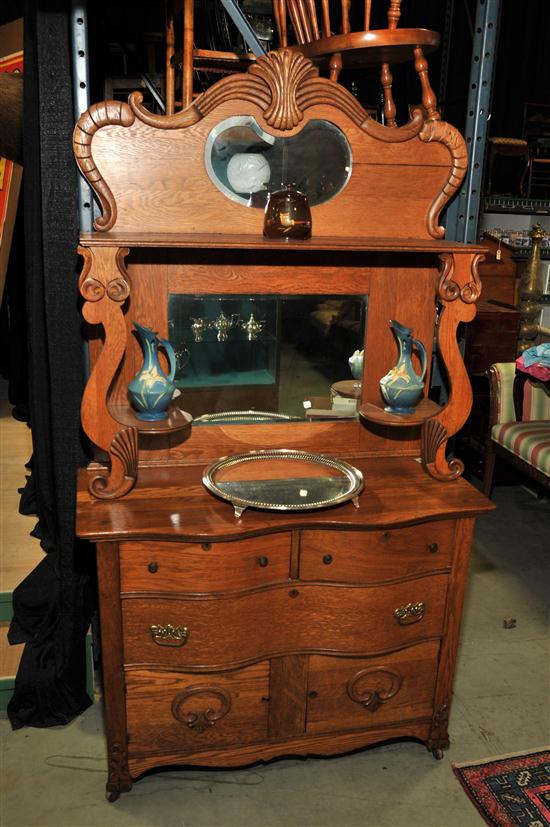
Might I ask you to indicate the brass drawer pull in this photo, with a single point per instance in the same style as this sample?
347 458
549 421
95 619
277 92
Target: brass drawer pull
170 635
411 613
327 559
433 547
263 561
153 567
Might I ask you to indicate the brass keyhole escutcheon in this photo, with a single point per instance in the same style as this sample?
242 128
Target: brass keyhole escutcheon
206 546
263 561
432 548
153 567
293 593
327 559
386 535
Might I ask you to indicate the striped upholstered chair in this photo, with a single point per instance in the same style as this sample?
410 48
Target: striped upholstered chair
519 425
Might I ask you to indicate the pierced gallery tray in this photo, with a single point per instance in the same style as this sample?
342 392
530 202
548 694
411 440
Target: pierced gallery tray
283 480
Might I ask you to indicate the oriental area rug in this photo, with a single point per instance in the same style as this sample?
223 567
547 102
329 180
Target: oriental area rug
510 790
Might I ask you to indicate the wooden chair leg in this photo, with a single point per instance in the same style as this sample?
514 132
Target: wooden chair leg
335 66
489 469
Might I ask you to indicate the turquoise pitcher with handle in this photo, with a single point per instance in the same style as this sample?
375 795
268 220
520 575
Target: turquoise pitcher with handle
402 387
151 390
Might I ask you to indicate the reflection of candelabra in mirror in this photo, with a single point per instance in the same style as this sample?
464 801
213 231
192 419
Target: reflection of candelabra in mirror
223 325
530 294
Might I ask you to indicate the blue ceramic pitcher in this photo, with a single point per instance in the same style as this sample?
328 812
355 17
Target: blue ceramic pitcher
151 391
402 387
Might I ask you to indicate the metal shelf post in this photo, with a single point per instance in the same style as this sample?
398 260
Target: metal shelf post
463 214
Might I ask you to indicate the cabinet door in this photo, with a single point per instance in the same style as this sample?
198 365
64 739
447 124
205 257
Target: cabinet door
376 556
358 693
178 712
204 567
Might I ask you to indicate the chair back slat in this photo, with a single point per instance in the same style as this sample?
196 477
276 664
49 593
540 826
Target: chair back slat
326 18
313 19
304 16
345 16
279 14
394 13
296 19
367 15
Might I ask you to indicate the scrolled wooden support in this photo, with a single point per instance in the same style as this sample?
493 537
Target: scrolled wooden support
458 289
179 120
104 287
106 113
444 133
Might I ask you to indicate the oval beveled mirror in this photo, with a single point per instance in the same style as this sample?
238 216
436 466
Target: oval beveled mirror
245 162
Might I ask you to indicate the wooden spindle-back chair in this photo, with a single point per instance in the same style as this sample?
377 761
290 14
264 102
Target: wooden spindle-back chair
216 62
315 38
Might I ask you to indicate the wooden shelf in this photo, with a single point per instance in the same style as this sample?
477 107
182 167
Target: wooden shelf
177 420
258 242
376 413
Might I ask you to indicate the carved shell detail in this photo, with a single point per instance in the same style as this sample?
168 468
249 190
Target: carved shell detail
284 72
124 448
433 435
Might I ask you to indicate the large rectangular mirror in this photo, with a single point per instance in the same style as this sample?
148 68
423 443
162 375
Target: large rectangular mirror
267 358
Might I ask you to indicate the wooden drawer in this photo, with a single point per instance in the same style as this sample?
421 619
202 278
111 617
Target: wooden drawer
353 693
376 556
204 567
171 711
232 629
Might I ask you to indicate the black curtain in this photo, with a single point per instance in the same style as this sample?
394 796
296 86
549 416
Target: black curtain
52 606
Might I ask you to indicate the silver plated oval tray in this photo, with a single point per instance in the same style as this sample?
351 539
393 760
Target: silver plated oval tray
283 480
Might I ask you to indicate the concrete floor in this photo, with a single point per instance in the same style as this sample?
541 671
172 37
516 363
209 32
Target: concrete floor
56 777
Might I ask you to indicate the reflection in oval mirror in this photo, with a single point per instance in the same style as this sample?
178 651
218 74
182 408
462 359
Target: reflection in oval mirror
245 162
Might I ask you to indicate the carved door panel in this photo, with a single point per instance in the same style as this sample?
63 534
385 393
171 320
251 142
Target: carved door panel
178 712
358 693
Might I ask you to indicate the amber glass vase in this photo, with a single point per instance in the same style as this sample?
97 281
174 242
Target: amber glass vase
287 214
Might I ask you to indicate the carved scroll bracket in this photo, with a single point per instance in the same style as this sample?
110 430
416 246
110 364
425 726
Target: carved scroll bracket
104 287
444 133
458 290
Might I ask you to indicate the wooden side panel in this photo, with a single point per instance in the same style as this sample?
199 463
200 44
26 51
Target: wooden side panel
439 737
113 671
406 294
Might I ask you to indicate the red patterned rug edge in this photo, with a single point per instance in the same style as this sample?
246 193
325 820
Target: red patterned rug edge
480 805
